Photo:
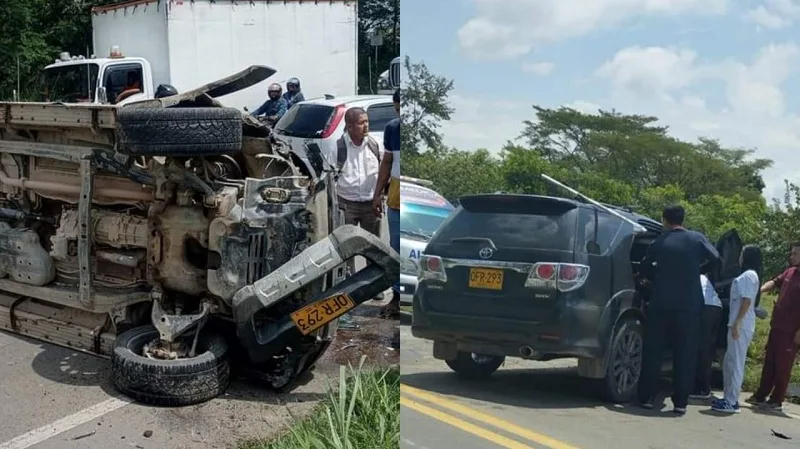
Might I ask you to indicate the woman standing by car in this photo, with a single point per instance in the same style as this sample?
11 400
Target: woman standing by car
745 293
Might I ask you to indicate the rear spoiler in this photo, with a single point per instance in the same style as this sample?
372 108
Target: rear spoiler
638 228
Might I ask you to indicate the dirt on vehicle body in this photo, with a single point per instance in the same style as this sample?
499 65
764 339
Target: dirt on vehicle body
170 234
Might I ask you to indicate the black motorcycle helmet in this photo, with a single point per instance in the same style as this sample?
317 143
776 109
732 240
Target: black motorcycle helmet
166 90
293 84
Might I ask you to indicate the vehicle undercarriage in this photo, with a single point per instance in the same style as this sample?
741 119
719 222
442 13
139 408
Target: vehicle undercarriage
175 236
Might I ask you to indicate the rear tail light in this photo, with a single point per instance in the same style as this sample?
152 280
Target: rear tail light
565 277
336 118
432 268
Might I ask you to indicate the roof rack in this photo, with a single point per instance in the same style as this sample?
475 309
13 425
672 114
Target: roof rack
417 181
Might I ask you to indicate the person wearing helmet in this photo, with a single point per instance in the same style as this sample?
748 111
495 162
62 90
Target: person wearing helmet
165 90
274 108
293 94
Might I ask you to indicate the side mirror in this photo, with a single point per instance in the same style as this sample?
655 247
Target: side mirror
102 95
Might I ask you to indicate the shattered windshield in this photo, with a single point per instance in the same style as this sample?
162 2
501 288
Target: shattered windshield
69 83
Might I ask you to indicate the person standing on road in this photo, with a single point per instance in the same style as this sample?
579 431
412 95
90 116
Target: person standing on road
673 264
390 168
741 327
784 336
709 325
358 158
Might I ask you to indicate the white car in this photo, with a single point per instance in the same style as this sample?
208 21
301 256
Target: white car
321 120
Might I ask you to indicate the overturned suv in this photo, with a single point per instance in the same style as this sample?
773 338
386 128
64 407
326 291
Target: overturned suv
544 278
176 236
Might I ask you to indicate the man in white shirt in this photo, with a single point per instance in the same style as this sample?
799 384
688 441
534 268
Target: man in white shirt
358 158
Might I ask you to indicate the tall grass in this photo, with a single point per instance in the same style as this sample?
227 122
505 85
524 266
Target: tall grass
362 413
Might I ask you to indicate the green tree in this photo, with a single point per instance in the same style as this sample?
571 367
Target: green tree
424 107
632 149
383 17
456 173
779 230
33 32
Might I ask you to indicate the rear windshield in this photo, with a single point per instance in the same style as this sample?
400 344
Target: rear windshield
379 116
547 226
305 121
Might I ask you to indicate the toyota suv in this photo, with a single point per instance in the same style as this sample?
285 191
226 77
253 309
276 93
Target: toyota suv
543 278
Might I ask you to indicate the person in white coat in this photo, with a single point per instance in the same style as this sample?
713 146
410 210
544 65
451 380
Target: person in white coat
745 291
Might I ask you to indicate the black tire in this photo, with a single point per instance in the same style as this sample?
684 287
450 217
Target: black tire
170 383
468 368
179 132
624 363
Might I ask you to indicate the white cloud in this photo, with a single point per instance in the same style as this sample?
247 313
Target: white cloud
647 70
585 107
471 127
657 72
774 14
511 28
539 68
762 17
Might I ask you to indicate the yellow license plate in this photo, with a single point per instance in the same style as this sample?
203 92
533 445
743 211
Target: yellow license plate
314 316
486 278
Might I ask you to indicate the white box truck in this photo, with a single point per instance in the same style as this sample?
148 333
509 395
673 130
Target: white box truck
142 44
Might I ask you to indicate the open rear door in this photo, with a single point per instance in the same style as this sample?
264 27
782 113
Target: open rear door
729 247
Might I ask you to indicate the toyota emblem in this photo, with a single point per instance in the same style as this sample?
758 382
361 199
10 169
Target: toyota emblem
486 253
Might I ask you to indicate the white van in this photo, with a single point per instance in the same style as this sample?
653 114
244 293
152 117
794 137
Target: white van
422 210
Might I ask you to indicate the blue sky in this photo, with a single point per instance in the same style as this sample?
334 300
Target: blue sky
726 69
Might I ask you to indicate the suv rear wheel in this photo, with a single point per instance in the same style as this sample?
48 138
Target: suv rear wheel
624 363
475 366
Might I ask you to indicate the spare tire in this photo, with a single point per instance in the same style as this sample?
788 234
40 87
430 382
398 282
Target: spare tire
171 383
179 132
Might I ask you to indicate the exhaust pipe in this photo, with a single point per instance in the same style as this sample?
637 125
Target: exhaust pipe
526 352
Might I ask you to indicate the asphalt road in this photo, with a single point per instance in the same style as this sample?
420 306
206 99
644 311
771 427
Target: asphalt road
546 405
57 398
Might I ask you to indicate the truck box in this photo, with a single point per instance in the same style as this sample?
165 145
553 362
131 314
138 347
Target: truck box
190 43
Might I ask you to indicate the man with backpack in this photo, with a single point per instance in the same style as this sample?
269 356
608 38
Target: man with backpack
358 158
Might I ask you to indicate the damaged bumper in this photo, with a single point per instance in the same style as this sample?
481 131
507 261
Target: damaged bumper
262 338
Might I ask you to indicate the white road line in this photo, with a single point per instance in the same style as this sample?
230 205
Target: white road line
48 431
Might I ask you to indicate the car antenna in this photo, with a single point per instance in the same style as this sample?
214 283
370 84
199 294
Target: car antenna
636 226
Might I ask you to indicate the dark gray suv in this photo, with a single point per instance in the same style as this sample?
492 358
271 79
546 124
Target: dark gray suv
543 278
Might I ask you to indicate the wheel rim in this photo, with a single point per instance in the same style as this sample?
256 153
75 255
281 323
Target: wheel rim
482 359
627 361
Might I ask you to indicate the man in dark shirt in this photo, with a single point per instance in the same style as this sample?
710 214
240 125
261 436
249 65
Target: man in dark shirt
784 336
673 265
390 173
274 108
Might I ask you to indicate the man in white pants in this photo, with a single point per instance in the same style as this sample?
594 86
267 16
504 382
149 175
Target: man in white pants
745 291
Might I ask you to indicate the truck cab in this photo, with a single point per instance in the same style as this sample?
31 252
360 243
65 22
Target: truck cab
113 80
389 80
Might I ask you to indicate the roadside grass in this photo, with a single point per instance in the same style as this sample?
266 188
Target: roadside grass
755 353
363 411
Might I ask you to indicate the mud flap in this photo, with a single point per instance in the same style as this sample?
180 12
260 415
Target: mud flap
264 339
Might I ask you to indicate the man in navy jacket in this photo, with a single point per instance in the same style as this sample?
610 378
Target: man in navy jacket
673 265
